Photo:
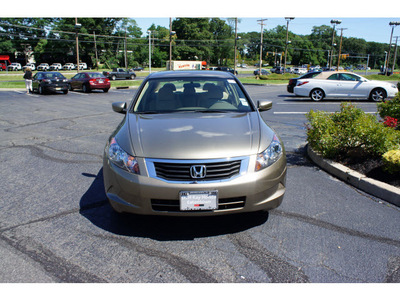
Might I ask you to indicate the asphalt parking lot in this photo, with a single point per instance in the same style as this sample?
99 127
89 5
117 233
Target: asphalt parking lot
56 225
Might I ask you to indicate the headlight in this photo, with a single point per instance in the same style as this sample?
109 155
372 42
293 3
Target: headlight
122 159
270 155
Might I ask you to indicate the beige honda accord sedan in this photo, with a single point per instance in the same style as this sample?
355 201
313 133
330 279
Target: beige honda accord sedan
193 143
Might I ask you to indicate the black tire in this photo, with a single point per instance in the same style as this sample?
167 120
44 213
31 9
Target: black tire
317 95
377 95
70 87
41 90
85 88
133 77
65 92
105 90
113 77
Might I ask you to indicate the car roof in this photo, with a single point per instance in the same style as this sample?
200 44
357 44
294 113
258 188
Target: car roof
326 74
188 74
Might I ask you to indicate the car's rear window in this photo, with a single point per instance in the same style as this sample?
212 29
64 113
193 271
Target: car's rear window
191 94
96 75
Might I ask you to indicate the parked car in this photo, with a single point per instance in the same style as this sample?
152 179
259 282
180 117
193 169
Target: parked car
14 67
119 73
138 69
3 67
30 65
88 81
226 69
69 66
300 71
82 66
55 67
193 143
280 70
293 81
43 67
332 84
44 82
263 72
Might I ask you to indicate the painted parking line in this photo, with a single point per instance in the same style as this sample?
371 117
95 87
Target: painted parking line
306 112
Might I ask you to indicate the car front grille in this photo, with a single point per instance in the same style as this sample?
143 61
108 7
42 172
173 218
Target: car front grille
221 170
174 206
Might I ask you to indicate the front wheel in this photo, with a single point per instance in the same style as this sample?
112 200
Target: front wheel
133 77
317 95
377 95
113 77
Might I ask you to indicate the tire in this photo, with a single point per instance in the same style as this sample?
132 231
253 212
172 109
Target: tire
113 77
377 95
133 77
105 90
65 92
317 95
70 87
86 89
40 90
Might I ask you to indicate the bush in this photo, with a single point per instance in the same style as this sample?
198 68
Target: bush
349 132
391 161
390 108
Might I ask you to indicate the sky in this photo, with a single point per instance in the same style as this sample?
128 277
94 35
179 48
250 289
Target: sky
362 19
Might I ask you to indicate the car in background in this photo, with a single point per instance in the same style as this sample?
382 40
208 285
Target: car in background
332 84
30 65
279 70
193 143
300 71
55 67
226 69
120 73
137 69
263 72
293 81
43 67
14 67
44 82
88 81
3 67
69 66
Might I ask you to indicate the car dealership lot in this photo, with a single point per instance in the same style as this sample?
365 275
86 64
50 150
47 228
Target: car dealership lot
56 225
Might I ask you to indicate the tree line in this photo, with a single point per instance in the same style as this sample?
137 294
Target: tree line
118 41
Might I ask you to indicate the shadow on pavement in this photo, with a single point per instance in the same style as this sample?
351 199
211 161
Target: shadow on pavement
94 206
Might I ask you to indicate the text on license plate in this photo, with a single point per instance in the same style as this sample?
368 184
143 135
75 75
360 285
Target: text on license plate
198 200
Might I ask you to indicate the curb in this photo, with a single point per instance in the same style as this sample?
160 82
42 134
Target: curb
371 186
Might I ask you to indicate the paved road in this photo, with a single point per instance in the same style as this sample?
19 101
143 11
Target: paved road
56 225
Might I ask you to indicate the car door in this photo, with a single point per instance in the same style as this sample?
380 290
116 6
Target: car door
331 86
36 81
351 86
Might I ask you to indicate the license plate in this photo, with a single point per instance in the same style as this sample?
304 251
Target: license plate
101 81
58 88
198 200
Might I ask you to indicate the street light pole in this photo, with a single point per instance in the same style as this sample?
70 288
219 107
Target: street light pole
261 45
77 27
395 54
288 19
340 47
149 31
334 22
393 24
235 63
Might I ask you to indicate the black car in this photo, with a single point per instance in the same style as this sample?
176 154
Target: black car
226 69
44 82
263 72
293 81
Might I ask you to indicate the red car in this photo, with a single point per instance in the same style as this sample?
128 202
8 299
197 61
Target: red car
2 67
88 81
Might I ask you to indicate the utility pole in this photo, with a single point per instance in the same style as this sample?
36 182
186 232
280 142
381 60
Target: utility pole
261 22
334 22
95 50
340 47
395 54
77 27
288 19
126 62
149 31
234 68
393 24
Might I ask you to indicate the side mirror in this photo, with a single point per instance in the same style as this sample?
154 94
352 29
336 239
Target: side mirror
264 105
119 107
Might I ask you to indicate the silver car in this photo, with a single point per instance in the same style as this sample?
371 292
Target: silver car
193 143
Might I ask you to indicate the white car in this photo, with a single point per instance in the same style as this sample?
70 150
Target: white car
69 66
14 67
32 66
55 67
332 84
43 67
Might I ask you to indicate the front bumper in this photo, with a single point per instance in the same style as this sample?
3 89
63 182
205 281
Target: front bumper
141 194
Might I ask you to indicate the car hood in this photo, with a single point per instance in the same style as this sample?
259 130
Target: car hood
194 135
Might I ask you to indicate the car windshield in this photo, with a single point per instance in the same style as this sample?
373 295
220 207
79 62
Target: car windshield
191 94
53 76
